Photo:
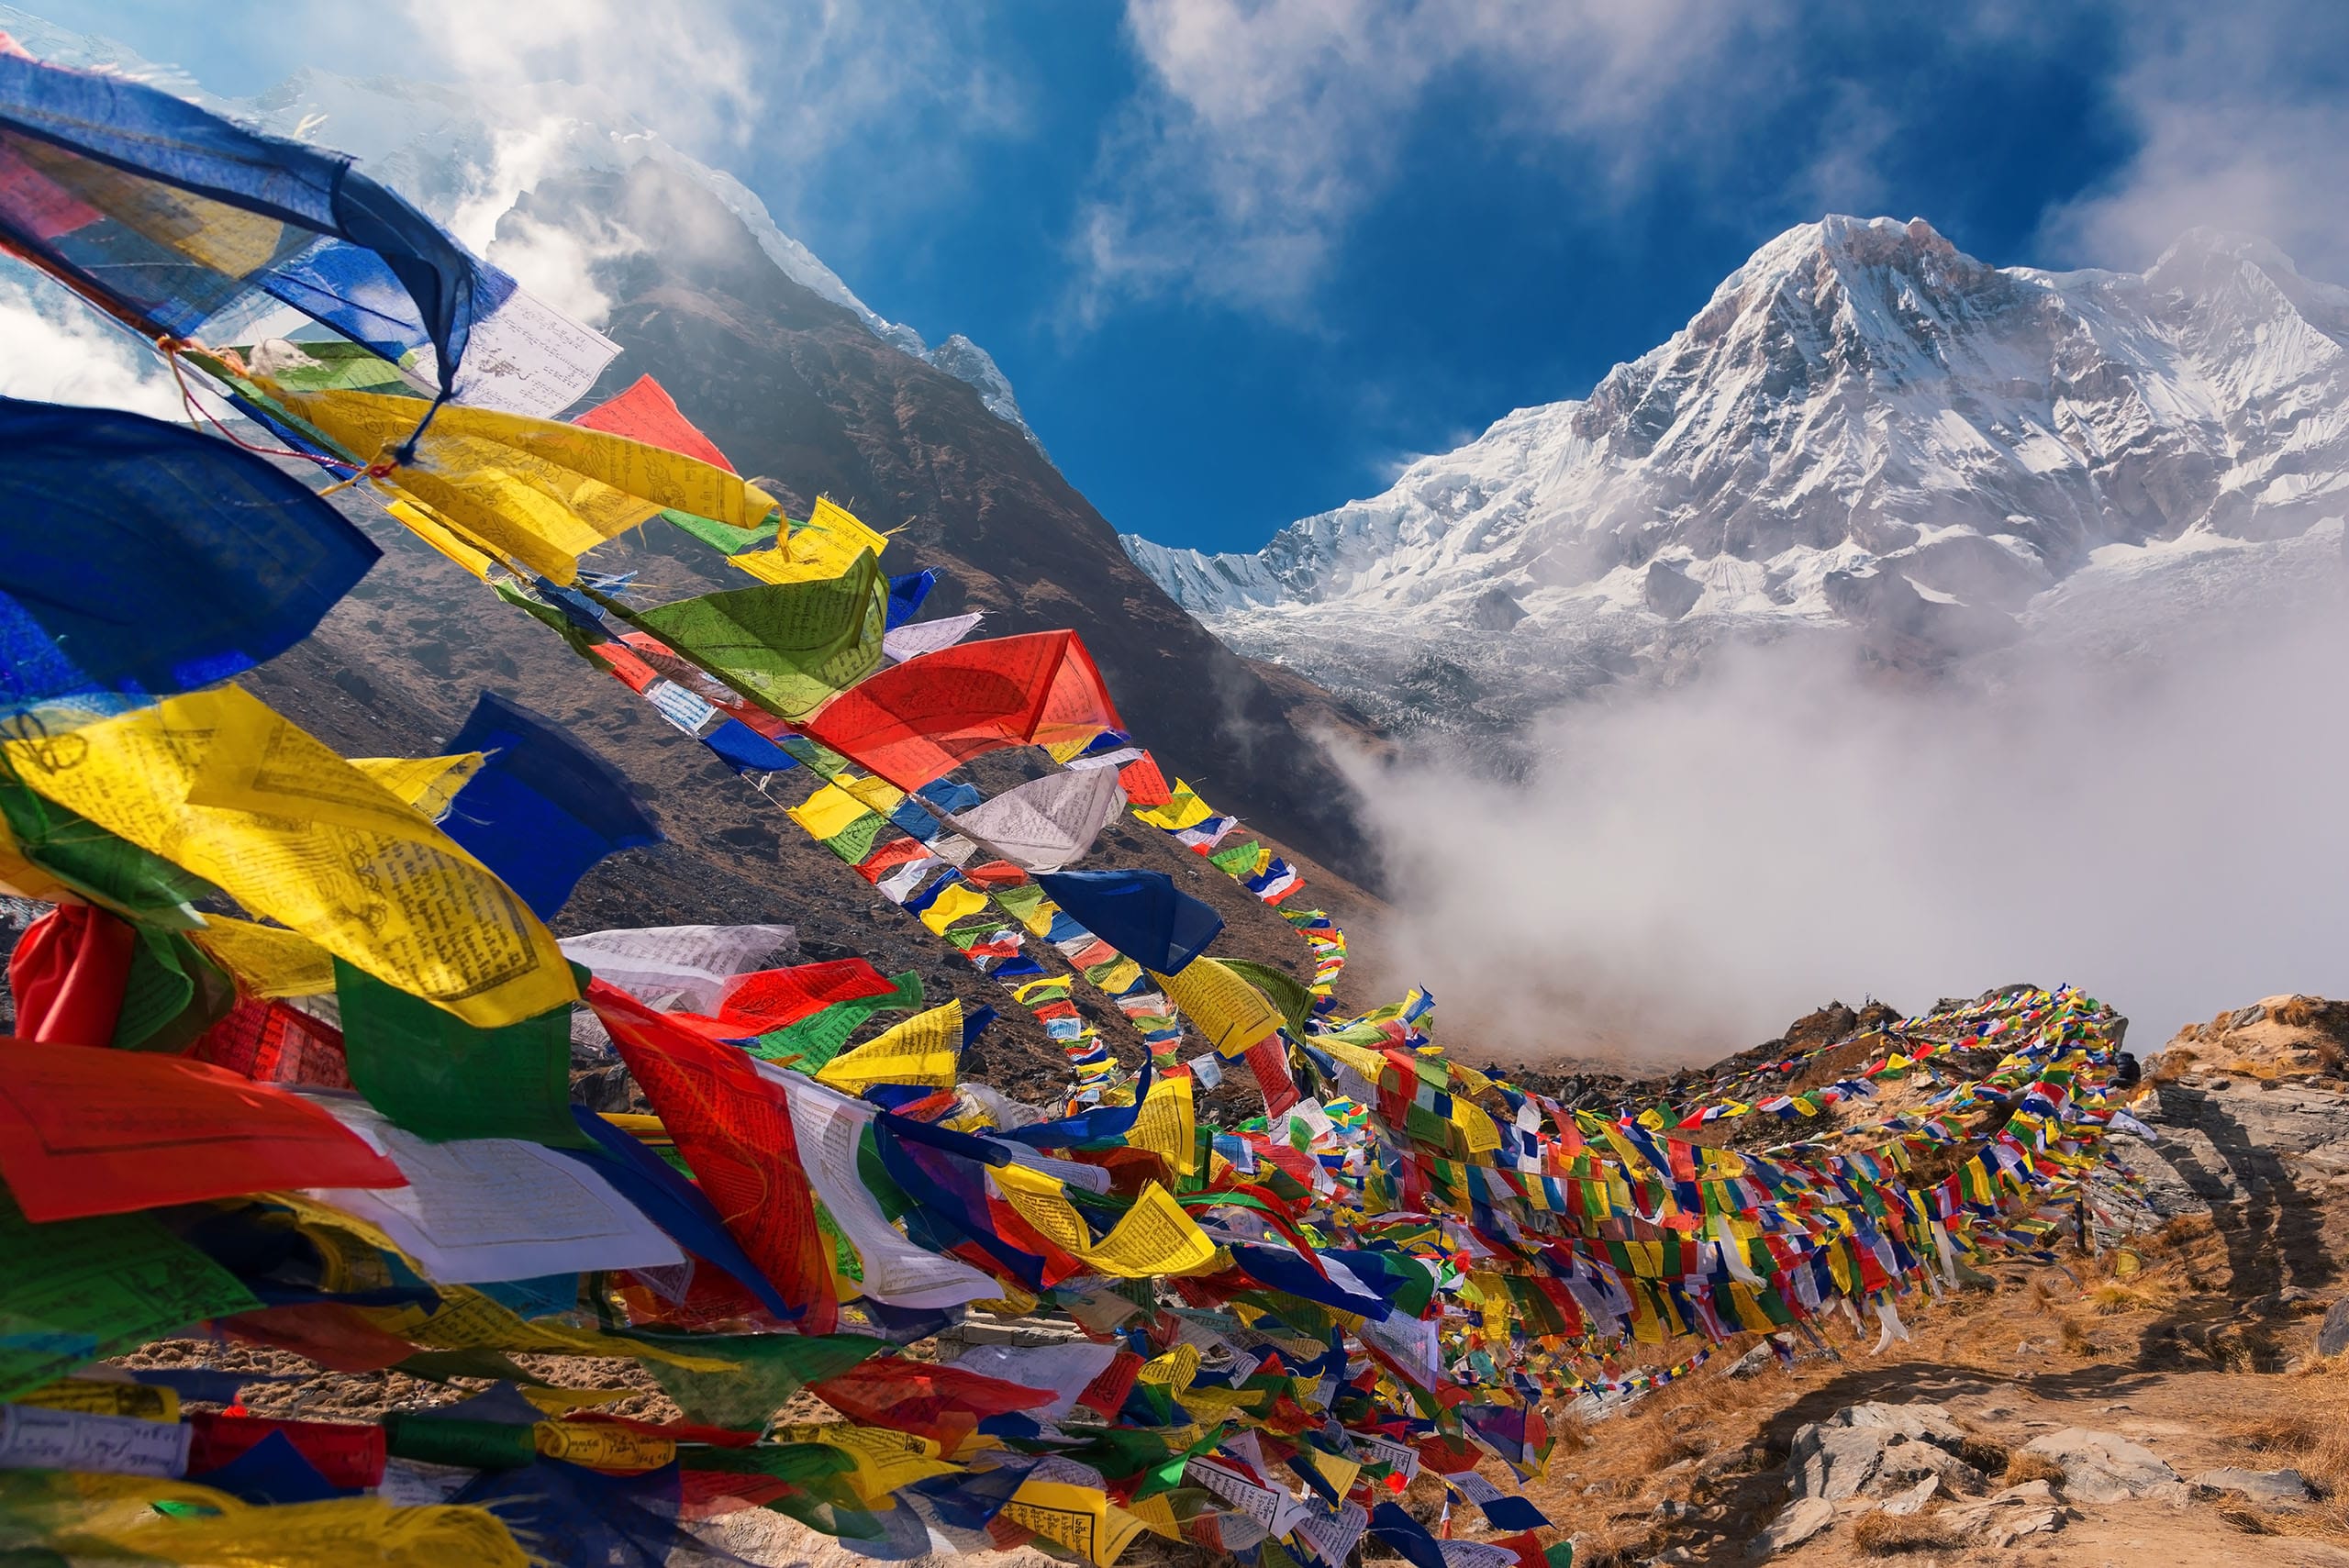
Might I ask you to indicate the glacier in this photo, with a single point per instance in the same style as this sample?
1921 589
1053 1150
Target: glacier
1863 432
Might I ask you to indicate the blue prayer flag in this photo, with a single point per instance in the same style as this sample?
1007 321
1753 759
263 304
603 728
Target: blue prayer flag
139 559
543 809
1140 913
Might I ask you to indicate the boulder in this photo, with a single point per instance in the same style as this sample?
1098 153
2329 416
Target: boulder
2032 1522
1803 1517
2102 1467
1876 1450
2333 1334
2268 1485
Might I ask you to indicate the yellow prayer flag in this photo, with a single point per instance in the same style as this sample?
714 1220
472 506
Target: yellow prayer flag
1168 1124
1154 1237
95 1512
429 783
95 1396
1482 1133
923 1050
1079 1518
954 901
828 812
1232 1014
824 548
536 492
601 1447
1184 810
1175 1370
217 782
878 794
434 529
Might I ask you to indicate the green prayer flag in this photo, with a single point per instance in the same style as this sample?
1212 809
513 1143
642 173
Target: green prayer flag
105 869
720 536
786 646
1238 860
773 1367
172 994
74 1290
440 1078
1283 990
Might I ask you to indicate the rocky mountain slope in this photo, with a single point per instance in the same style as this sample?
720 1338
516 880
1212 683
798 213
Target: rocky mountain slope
1864 430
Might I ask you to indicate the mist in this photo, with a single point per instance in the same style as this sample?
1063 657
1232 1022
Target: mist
2158 817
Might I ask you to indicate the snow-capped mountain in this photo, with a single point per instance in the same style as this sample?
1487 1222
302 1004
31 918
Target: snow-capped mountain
467 158
1863 427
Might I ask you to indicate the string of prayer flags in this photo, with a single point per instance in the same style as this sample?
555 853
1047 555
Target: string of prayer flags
542 810
139 559
164 213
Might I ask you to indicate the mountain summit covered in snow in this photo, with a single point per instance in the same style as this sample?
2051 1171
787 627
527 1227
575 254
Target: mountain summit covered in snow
1864 429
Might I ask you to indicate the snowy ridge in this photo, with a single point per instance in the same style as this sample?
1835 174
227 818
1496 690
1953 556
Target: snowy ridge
467 162
1862 427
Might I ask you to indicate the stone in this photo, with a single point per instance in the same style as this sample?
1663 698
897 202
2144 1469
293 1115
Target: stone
1873 1449
2037 1521
2270 1486
1803 1517
2333 1334
2029 1493
2243 1017
1901 1504
2102 1467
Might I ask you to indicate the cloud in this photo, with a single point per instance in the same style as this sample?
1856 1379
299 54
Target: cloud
1687 869
55 349
1265 127
2243 124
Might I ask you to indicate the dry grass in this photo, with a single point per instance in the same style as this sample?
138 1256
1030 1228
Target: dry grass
2024 1467
2075 1338
2146 1292
1884 1535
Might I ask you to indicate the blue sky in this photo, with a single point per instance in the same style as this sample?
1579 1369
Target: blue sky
1243 258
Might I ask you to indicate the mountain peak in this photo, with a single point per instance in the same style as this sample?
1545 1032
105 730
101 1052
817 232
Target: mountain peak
1864 426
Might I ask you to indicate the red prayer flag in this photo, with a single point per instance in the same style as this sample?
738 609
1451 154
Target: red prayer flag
86 1132
270 1042
346 1452
646 413
1144 784
771 998
66 974
941 1403
734 1127
916 722
328 1332
1106 1394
